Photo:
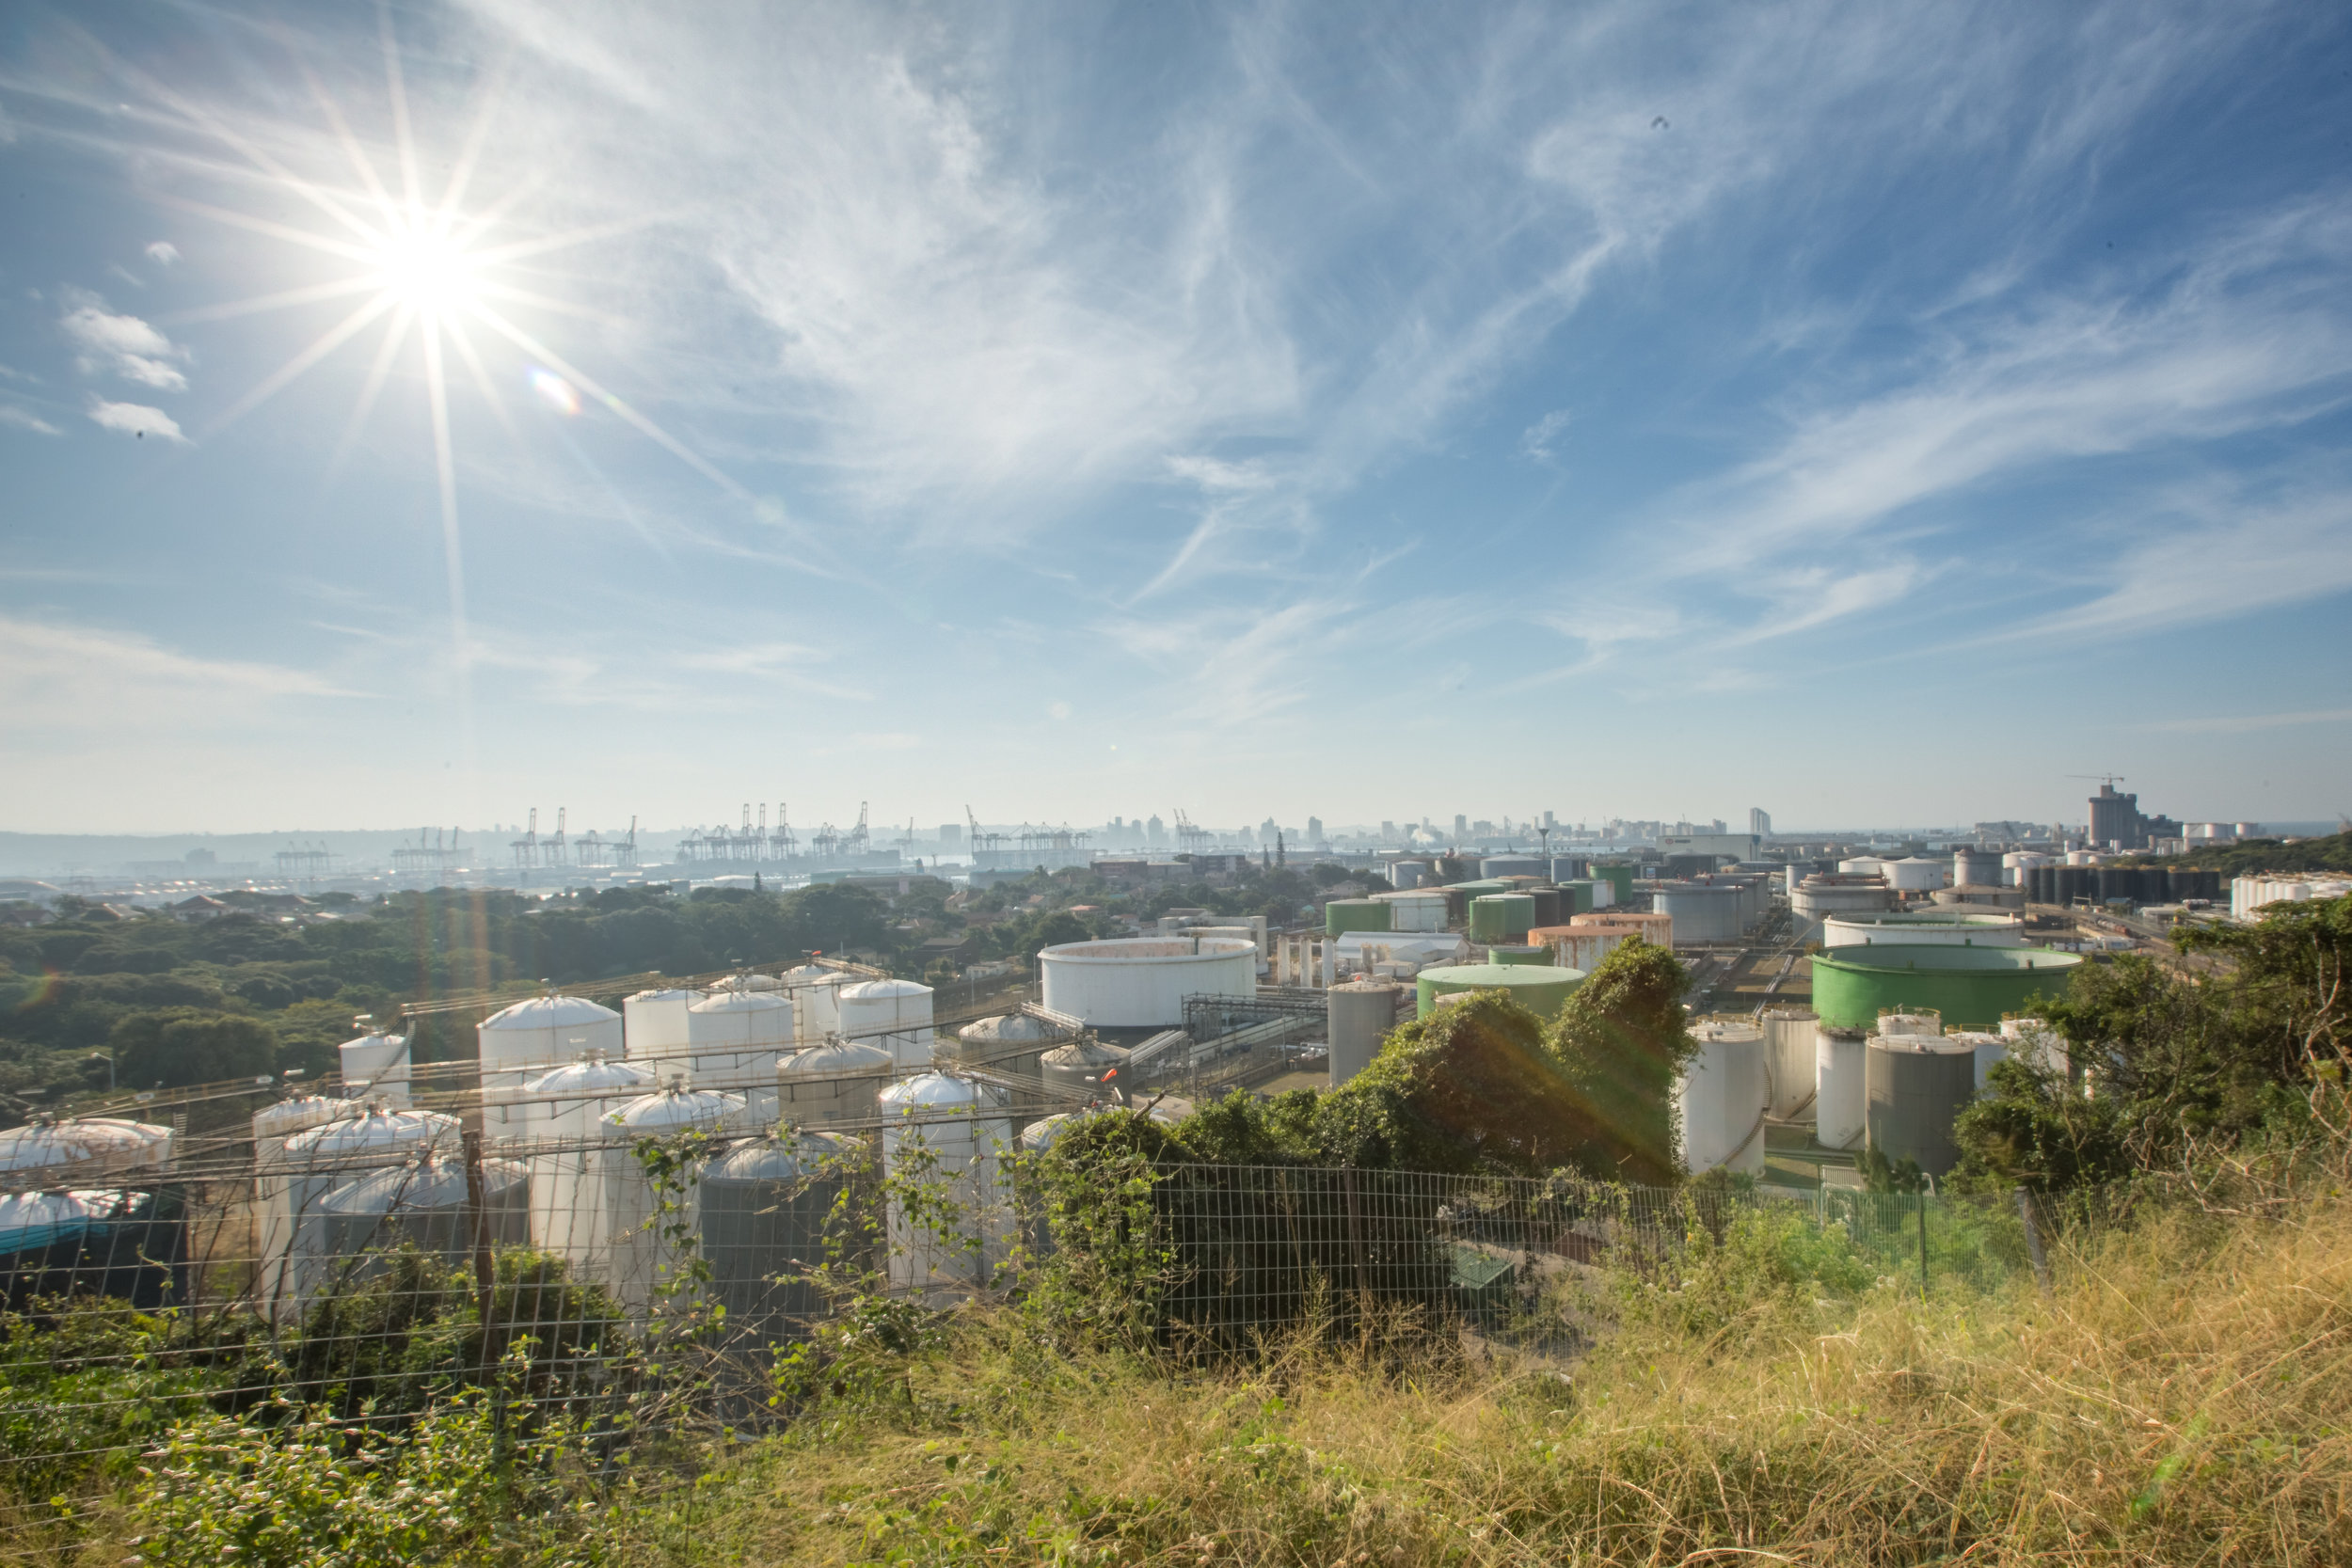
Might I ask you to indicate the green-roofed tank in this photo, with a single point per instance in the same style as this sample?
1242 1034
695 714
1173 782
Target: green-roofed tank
1620 878
1501 917
1972 987
1342 915
1541 990
1519 953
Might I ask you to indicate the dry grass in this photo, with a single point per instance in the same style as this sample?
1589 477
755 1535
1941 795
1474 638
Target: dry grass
2184 1396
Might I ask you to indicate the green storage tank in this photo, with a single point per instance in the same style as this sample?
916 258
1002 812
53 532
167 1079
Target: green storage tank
1541 992
1481 888
1576 897
1519 953
1618 877
1501 917
1342 915
1972 987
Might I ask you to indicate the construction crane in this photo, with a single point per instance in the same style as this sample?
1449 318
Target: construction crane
824 841
906 840
624 853
785 845
1189 835
981 839
552 852
2110 780
527 847
860 839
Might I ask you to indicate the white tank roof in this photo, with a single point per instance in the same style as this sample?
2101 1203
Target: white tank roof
936 1091
866 990
596 1075
741 1002
815 974
675 1108
670 993
72 1142
376 1130
1012 1028
550 1012
836 1058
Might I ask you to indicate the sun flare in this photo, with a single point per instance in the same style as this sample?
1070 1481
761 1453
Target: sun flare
426 270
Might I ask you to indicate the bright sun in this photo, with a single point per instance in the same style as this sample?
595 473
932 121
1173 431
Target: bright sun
426 271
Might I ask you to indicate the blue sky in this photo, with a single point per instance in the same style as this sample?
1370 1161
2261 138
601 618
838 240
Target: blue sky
1873 413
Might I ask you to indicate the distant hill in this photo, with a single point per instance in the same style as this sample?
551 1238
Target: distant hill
2332 853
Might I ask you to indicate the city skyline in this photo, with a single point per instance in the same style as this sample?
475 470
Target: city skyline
1886 415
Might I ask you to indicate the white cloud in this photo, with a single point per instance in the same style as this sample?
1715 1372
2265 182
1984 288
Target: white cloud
23 419
54 676
135 419
125 345
1541 440
163 253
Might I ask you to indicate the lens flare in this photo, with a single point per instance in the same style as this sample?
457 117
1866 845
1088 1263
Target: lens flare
558 393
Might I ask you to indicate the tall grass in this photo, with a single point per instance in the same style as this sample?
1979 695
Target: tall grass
2183 1394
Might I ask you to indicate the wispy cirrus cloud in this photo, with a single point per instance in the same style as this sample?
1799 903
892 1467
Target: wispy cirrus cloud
135 419
125 345
55 676
24 418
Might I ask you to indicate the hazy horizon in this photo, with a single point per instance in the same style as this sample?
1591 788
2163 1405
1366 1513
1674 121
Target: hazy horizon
1873 414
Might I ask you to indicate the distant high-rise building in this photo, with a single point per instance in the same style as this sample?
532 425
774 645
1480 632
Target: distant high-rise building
1548 823
2115 819
1388 833
951 835
1155 831
1267 832
1461 826
1314 829
1760 821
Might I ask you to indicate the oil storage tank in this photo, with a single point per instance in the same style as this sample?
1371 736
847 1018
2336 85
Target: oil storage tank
86 1149
375 1066
837 1082
1721 1100
815 993
892 1014
654 1025
1500 917
946 1136
517 1043
1008 1044
1414 911
129 1246
1917 874
1704 914
1925 927
313 1163
1512 865
647 1262
1075 1071
1361 1014
1971 987
426 1203
1141 982
1529 953
1841 1086
1342 915
1541 990
767 1213
735 1041
1790 1057
1917 1083
564 1151
273 1124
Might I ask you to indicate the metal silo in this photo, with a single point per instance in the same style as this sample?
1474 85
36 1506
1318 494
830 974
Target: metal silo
517 1043
1790 1056
1501 917
766 1211
1075 1071
835 1082
90 1149
815 993
1975 869
566 1151
735 1040
1917 1083
426 1204
654 1025
1008 1044
1704 914
1719 1100
944 1139
375 1067
1342 915
1840 1098
1359 1016
313 1163
894 1014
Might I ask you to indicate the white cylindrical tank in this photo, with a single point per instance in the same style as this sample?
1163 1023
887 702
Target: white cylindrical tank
519 1042
1134 983
946 1136
2018 865
735 1041
273 1124
564 1151
1407 873
1790 1056
375 1067
1719 1100
92 1149
1840 1085
1008 1044
654 1022
1989 1049
2033 1041
1861 865
1916 874
1703 913
646 1259
835 1082
1911 1020
1975 869
1945 928
1359 1016
315 1162
892 1014
816 992
1414 911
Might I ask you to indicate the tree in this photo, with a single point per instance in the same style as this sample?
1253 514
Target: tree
1621 1041
180 1047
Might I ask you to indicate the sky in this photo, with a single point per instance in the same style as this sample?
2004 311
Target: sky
1875 413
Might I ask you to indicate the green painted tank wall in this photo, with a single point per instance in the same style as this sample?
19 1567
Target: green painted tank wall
1618 877
1972 987
1576 897
1342 916
1541 992
1507 952
1501 917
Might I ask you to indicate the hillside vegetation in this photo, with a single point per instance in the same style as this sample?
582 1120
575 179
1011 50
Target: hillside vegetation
2255 855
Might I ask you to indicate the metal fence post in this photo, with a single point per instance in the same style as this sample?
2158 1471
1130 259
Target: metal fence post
1923 1246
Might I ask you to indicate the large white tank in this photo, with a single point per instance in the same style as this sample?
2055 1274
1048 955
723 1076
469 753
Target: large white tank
892 1014
1008 1044
2018 865
1414 911
654 1022
1719 1100
946 1135
835 1082
1137 983
375 1067
565 1153
736 1040
1703 913
1359 1016
315 1162
1917 874
1941 927
1975 869
816 992
273 1124
1914 1021
1861 865
1988 1049
1788 1058
89 1148
647 1260
2032 1040
518 1043
1840 1082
